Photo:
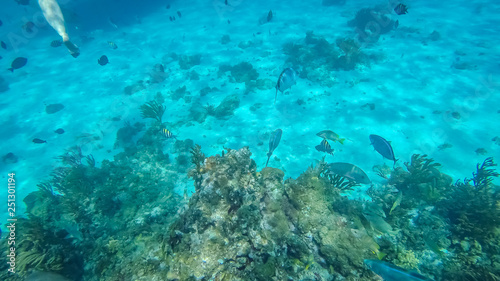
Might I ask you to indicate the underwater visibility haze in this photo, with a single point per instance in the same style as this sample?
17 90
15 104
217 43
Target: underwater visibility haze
249 140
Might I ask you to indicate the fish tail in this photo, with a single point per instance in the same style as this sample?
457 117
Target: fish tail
341 141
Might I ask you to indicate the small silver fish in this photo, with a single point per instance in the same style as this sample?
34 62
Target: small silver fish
390 272
274 141
286 80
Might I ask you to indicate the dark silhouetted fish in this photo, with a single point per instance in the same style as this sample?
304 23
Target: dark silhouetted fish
383 147
39 141
4 46
324 146
269 16
23 2
225 2
274 141
59 131
349 171
401 9
179 14
286 80
28 27
103 60
168 6
1 23
56 43
167 134
390 272
18 63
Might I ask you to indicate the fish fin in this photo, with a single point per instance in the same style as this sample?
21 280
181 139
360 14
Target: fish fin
341 141
276 96
268 157
11 69
381 255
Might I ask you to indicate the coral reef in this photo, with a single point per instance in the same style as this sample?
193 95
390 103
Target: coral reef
10 158
53 108
122 220
134 88
223 111
125 135
240 73
370 23
225 39
455 224
181 93
247 225
186 61
158 73
103 217
318 58
473 205
421 180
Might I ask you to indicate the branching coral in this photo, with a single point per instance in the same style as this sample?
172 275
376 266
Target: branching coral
197 158
472 208
72 157
152 109
422 180
210 109
40 248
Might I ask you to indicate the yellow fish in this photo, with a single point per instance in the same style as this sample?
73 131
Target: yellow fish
330 135
167 134
112 45
396 202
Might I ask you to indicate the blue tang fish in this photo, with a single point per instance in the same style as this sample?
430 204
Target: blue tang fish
390 272
273 143
286 80
401 9
383 147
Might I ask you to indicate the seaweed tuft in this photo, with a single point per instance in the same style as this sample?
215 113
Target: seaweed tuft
152 109
472 208
197 158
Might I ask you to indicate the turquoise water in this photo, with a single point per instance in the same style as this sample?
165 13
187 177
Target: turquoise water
429 86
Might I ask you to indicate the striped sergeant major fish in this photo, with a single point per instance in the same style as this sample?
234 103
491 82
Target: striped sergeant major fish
167 134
